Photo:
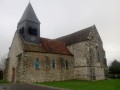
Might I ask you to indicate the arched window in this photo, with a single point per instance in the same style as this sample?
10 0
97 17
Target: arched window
62 61
53 64
21 31
32 31
66 64
37 64
47 63
97 53
35 31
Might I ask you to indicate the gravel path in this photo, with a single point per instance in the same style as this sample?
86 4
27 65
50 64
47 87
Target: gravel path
25 87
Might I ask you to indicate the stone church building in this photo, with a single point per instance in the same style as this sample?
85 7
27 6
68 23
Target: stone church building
32 58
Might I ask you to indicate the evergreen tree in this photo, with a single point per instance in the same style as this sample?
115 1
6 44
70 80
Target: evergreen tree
114 68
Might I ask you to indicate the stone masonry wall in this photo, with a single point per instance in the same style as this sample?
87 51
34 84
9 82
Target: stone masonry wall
97 56
14 50
81 56
89 58
87 63
46 71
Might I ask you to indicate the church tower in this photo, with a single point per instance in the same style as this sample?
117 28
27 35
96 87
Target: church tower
29 26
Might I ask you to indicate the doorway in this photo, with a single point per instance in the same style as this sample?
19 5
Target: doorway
13 74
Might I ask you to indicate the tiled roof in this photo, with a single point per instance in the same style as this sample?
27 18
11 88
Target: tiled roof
76 37
33 47
47 46
54 46
58 46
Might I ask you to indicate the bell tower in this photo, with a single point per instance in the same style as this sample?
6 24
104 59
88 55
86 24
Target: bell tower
29 26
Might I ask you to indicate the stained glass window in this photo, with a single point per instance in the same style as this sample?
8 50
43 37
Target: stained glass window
37 64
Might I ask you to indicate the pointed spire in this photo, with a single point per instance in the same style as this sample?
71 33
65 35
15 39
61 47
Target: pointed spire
29 15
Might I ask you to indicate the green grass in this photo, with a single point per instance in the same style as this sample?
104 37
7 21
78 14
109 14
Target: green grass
113 84
3 82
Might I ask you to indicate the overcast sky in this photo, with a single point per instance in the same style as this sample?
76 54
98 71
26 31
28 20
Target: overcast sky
62 17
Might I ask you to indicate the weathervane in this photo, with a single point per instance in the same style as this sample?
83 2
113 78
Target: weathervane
29 1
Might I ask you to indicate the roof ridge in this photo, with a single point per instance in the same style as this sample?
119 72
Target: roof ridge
77 31
76 37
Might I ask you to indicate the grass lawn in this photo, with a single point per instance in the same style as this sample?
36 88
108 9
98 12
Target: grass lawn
113 84
3 82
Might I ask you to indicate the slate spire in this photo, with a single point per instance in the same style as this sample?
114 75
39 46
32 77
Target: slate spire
29 26
29 15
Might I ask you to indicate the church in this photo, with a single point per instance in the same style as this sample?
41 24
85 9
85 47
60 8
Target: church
33 58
